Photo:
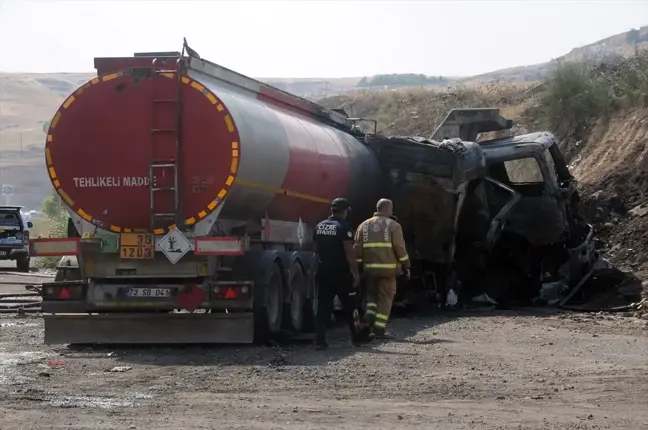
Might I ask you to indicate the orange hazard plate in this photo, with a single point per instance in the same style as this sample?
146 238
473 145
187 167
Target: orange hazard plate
136 246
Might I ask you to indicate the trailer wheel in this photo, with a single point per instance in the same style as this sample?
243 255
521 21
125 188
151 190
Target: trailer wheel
268 305
22 264
297 290
310 307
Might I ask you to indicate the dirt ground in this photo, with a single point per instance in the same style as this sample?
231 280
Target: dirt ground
534 369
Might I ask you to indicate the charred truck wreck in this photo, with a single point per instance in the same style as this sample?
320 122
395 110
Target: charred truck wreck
496 219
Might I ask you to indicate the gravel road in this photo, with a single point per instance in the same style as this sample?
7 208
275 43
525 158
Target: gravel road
478 371
535 369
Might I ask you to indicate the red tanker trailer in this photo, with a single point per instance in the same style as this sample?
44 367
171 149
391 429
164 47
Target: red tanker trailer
191 187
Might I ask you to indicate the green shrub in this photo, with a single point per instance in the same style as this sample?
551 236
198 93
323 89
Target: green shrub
578 94
56 221
576 97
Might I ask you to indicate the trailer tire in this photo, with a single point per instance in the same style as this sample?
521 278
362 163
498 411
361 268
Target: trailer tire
268 305
310 304
22 264
297 290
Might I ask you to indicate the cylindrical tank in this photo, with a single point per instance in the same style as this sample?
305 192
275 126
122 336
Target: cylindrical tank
253 157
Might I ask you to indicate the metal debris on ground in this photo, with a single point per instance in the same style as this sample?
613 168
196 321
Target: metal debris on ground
20 303
120 369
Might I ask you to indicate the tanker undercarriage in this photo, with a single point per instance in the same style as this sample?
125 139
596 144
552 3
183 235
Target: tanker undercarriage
262 295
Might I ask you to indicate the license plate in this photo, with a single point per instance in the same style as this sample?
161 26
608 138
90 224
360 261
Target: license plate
148 292
136 252
3 253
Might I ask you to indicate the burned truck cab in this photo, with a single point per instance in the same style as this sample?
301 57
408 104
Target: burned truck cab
542 238
485 216
527 165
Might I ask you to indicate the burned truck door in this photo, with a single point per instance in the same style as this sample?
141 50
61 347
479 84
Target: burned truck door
500 218
539 217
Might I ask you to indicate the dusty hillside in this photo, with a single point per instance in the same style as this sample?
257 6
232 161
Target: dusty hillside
27 103
623 44
615 156
613 170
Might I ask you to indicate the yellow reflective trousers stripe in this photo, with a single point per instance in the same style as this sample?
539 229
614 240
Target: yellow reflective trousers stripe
371 308
381 320
377 245
381 266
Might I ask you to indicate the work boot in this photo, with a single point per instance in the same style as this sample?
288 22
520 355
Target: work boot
365 332
379 333
384 336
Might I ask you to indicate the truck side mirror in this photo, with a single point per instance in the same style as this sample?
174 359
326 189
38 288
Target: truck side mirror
30 224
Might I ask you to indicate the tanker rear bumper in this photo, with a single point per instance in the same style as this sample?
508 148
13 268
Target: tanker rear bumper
171 328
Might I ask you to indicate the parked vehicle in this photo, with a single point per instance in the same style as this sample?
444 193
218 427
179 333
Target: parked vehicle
14 237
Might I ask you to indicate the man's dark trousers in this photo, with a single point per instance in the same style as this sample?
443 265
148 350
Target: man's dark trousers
331 283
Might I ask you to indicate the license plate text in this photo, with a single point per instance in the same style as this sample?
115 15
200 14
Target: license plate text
148 292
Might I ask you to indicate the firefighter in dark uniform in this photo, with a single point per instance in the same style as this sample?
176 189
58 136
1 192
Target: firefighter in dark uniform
337 270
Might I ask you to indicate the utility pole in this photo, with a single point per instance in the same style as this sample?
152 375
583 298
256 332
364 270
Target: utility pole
326 84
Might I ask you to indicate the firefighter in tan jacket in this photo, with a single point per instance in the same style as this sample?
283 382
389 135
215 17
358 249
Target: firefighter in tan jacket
380 248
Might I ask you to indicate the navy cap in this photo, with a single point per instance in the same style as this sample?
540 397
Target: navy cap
340 204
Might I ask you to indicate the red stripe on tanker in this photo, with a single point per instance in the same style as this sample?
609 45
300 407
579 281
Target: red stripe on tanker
293 166
317 166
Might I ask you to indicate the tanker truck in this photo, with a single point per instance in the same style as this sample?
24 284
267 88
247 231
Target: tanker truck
193 191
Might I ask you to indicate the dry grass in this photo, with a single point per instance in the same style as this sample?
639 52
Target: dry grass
420 111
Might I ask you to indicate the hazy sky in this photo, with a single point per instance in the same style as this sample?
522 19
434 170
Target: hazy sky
308 38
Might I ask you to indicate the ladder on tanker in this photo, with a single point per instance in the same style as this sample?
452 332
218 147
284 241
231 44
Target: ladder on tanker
166 146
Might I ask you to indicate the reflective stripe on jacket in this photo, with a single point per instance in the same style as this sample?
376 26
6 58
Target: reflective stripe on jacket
380 246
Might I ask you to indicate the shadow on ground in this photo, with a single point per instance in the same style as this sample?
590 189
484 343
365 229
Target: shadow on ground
297 351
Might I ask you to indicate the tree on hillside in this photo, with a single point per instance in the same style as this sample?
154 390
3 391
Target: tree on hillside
633 36
400 79
53 206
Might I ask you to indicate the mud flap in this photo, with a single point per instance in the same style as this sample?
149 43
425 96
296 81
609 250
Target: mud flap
172 328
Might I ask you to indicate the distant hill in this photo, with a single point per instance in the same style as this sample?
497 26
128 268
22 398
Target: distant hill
28 101
622 44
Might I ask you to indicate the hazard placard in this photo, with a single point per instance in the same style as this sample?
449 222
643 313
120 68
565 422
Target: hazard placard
174 245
